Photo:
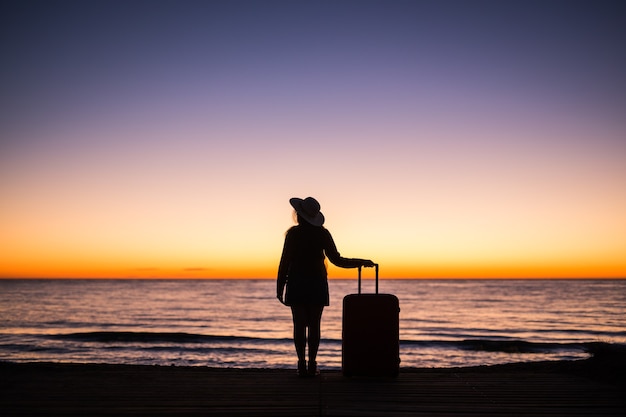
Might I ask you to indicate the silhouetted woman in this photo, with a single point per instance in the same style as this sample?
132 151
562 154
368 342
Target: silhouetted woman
303 272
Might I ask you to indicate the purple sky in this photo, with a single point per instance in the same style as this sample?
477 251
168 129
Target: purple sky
434 133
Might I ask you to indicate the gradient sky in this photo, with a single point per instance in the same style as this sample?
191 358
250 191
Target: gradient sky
442 138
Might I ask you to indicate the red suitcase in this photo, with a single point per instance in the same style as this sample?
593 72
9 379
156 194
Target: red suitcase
370 334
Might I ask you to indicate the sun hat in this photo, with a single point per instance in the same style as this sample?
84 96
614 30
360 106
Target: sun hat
308 209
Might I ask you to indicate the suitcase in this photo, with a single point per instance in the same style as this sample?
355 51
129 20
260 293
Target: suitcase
370 333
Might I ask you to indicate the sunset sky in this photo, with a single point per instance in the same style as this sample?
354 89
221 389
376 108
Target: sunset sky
443 139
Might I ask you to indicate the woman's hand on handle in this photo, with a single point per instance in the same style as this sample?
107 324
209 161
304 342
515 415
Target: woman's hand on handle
367 263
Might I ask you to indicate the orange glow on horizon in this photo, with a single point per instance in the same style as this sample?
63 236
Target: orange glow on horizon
232 249
99 270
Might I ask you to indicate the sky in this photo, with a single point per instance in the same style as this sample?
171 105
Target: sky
443 139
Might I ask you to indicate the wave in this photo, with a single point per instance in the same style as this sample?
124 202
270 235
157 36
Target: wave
504 346
479 344
154 337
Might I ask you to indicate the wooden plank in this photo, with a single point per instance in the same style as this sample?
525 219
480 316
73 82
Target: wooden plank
103 390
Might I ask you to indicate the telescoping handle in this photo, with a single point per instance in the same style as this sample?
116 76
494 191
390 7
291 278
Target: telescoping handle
376 267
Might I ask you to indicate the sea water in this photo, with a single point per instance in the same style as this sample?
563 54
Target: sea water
240 323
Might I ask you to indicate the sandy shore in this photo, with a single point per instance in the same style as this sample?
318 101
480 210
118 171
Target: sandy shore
593 387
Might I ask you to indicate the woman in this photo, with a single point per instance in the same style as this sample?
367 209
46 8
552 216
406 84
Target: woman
303 272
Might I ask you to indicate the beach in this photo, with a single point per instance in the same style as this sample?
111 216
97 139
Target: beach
592 387
171 348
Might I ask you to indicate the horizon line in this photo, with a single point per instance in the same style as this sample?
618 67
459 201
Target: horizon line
330 279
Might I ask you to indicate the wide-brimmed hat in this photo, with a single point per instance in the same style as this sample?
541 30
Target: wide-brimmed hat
308 209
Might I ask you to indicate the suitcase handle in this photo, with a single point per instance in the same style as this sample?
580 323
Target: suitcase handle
360 267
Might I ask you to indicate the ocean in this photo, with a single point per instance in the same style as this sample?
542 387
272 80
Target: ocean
240 324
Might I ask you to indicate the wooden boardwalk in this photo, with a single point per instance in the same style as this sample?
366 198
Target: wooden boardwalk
101 390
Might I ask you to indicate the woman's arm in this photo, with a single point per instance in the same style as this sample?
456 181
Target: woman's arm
283 268
333 255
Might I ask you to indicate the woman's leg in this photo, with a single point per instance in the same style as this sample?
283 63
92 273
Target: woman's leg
314 319
299 315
